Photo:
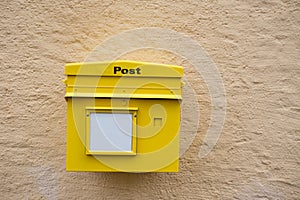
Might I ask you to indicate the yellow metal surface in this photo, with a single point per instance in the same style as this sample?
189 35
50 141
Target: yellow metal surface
152 96
102 80
133 69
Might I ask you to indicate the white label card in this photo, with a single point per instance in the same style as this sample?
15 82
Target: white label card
111 132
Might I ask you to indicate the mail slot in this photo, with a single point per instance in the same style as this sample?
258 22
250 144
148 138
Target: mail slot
123 116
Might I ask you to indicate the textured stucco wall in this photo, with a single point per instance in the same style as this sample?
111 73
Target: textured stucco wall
254 44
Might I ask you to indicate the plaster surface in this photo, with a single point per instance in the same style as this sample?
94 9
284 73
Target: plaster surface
254 44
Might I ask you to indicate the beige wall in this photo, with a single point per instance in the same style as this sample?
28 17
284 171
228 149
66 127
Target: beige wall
254 44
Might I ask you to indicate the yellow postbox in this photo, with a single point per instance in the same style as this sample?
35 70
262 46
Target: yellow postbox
123 116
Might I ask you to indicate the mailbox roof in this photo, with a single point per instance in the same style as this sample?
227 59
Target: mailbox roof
114 68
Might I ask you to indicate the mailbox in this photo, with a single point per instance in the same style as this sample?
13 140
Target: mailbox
123 116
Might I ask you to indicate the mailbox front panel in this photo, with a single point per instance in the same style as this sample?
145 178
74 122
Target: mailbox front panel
154 143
